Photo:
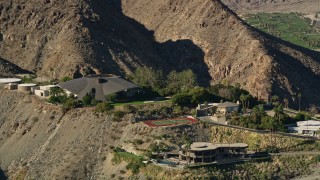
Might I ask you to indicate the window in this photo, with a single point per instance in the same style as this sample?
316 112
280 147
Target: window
93 92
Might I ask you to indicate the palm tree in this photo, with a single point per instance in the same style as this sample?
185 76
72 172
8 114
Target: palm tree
243 99
286 103
299 96
248 97
270 124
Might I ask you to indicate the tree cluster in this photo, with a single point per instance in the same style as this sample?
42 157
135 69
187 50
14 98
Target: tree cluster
155 80
260 120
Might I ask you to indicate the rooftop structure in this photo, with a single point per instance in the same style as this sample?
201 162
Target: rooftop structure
9 80
26 87
48 87
204 146
217 108
98 86
204 152
227 105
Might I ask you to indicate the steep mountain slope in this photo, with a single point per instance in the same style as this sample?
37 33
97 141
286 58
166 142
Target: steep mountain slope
112 36
301 6
80 37
234 51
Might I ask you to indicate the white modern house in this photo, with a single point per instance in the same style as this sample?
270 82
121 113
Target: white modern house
310 127
44 91
227 107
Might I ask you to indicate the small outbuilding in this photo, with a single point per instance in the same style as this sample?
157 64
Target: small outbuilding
44 91
26 87
11 86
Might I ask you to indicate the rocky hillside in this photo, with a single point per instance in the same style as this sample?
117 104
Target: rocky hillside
233 51
8 69
73 38
38 140
112 36
301 6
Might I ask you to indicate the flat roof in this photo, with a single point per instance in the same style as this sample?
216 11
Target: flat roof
305 128
27 85
308 123
10 80
203 146
228 104
50 86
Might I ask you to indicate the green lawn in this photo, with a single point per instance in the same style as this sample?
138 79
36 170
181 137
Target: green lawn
128 156
291 27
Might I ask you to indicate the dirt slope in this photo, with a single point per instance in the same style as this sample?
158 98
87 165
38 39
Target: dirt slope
253 6
38 141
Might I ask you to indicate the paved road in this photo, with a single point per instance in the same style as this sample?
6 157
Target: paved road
261 131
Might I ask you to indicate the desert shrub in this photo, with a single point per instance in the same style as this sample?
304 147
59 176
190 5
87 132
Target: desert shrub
137 141
130 108
158 147
111 97
134 162
87 100
28 79
35 119
70 103
119 114
317 159
134 166
302 116
94 102
60 99
103 107
165 136
65 79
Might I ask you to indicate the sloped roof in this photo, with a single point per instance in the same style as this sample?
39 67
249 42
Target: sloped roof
103 86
